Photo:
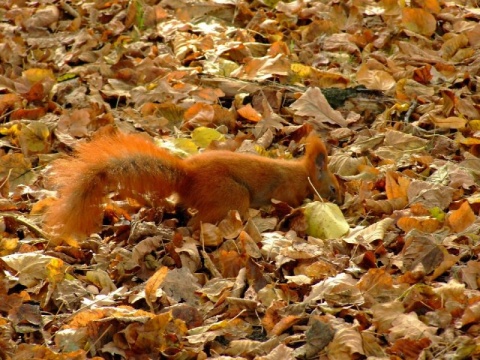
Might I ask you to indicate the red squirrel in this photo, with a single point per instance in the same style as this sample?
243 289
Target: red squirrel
212 182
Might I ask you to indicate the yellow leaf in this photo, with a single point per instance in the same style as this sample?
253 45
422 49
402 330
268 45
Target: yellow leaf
474 125
153 284
325 220
452 122
301 70
35 75
470 141
101 279
8 246
203 136
55 270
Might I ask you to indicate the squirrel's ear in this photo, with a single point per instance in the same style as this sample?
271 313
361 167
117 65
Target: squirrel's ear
321 161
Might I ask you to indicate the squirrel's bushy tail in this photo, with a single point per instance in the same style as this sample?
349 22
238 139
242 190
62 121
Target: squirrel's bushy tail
122 163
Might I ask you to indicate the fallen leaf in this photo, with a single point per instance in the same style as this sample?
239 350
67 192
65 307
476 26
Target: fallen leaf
249 113
452 122
461 218
419 21
346 343
203 136
313 104
153 284
325 220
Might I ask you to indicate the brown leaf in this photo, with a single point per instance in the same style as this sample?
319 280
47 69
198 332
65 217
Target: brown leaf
28 114
313 104
378 284
375 79
249 113
380 207
76 123
385 313
423 75
159 334
452 45
471 274
421 252
272 315
55 271
338 290
408 326
210 235
9 102
35 93
320 270
280 352
35 75
430 195
263 68
43 17
462 218
430 5
101 280
471 314
319 334
409 349
30 351
199 114
16 169
449 261
346 344
452 122
230 262
425 224
284 324
419 21
153 284
396 186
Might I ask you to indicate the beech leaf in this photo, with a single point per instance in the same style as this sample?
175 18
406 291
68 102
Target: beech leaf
313 104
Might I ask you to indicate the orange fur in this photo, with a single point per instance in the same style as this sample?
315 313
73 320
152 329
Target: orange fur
213 182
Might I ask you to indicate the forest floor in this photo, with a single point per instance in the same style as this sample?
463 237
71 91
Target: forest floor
392 88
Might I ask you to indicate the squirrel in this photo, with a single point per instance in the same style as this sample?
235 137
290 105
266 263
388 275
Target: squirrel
213 182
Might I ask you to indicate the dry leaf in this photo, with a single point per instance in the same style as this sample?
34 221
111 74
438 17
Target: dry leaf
419 21
313 104
396 186
452 122
144 286
424 224
461 218
346 343
249 113
153 285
